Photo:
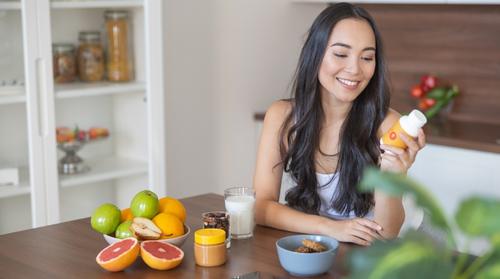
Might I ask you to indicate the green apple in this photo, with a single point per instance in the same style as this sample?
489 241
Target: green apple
145 204
123 230
106 218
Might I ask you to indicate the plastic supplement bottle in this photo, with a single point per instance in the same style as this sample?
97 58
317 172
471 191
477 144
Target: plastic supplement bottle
407 124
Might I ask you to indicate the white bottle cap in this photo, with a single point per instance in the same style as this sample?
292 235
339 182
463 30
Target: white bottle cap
417 118
412 122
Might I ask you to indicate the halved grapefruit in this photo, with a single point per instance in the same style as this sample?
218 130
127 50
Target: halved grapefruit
160 255
119 255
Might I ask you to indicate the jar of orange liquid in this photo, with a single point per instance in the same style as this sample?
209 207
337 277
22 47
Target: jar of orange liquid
408 125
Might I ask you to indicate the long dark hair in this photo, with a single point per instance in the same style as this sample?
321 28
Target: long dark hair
359 144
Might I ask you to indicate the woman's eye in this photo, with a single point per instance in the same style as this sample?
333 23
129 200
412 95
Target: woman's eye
340 55
367 58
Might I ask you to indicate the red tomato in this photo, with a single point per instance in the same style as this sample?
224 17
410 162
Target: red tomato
428 82
423 105
416 91
429 102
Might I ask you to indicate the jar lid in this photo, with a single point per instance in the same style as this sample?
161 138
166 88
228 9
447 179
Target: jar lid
89 36
63 47
115 14
209 236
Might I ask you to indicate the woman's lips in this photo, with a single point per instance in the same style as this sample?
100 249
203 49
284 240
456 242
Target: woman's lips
347 83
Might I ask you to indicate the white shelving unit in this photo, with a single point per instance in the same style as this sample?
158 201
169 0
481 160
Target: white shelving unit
131 159
103 169
78 90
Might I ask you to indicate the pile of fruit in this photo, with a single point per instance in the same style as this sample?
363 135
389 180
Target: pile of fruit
65 134
432 96
148 219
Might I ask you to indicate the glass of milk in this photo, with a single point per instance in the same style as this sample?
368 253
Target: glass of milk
240 203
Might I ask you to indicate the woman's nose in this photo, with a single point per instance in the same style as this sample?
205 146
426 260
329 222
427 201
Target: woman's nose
353 66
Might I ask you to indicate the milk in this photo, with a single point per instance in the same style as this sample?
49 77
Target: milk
241 215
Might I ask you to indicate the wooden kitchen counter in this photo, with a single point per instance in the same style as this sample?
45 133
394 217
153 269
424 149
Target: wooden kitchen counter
68 250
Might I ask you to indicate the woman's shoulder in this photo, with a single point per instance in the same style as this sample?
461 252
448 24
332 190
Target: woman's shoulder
389 120
278 111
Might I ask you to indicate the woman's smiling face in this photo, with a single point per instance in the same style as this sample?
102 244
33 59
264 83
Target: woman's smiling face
349 61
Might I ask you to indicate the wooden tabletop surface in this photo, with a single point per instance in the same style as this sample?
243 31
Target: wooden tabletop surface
68 250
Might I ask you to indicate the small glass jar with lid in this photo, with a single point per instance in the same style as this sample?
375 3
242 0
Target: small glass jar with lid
217 220
64 64
209 247
119 64
90 56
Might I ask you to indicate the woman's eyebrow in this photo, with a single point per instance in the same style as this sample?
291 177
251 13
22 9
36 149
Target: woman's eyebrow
349 47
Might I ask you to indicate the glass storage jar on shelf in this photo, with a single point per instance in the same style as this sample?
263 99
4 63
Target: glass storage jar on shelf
90 56
64 63
119 65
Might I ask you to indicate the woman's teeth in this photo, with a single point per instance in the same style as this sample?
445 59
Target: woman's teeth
347 82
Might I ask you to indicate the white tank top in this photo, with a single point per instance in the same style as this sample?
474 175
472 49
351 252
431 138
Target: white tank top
326 191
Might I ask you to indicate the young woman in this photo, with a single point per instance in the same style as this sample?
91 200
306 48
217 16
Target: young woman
329 132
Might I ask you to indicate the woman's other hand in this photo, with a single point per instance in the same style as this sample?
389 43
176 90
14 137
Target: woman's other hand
398 159
360 231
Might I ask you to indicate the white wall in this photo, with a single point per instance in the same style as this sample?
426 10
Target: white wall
225 60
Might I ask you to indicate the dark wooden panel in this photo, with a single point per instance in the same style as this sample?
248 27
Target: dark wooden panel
459 43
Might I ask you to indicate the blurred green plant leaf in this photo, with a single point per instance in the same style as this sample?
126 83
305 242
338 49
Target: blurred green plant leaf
396 185
490 272
414 256
479 216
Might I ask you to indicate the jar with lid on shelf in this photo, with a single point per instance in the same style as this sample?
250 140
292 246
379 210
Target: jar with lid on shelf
119 64
64 64
90 56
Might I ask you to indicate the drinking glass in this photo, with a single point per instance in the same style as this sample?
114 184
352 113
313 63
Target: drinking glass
240 202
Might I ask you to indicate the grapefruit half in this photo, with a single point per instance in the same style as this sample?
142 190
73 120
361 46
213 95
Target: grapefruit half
119 255
161 256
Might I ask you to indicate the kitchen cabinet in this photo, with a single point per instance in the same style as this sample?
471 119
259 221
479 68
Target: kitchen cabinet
32 106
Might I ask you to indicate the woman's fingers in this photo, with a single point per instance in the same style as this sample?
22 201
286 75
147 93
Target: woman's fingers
413 146
366 233
421 138
368 223
393 149
356 240
370 228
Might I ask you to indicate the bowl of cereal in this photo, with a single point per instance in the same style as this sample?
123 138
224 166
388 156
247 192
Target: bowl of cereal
306 255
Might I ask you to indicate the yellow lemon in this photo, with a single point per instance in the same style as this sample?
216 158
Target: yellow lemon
173 206
169 225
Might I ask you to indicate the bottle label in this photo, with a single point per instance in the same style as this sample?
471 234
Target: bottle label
392 136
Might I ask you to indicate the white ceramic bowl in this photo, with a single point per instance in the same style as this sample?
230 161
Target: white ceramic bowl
177 241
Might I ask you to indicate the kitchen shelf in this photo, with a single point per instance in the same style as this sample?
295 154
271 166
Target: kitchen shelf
13 97
456 133
96 4
78 89
102 169
464 134
22 189
10 5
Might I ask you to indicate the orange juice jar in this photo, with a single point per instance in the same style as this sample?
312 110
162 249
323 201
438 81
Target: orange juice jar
119 65
407 124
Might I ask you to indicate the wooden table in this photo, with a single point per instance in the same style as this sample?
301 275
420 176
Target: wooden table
68 250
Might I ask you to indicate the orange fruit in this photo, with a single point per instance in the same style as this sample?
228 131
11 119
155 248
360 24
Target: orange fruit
160 255
119 255
169 225
173 206
126 215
